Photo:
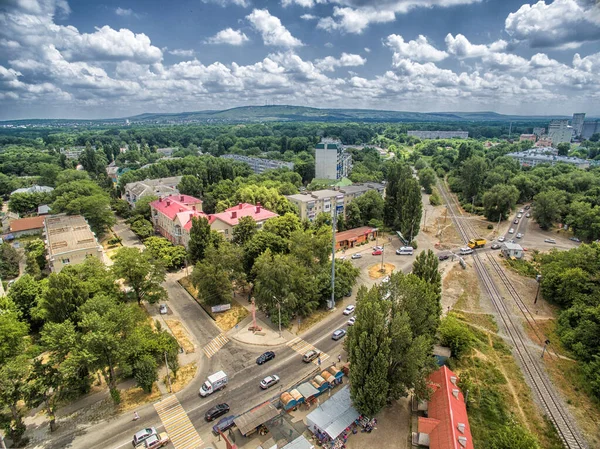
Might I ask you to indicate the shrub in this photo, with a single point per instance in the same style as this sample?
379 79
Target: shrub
455 335
490 226
144 372
435 199
115 240
414 244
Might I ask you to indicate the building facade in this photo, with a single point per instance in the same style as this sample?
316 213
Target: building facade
590 128
27 226
529 137
353 237
69 241
157 187
258 164
439 134
547 155
559 131
331 161
577 124
539 131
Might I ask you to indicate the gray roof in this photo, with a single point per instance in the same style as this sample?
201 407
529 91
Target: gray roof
539 154
43 209
302 197
158 187
334 415
512 246
34 189
255 417
307 390
320 194
299 443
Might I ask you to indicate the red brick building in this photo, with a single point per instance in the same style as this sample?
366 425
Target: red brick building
353 237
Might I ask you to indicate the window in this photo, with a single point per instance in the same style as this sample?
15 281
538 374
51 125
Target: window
66 261
226 231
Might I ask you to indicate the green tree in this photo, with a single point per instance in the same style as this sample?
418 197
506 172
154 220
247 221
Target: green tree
513 436
549 207
409 209
526 186
456 335
43 388
191 185
64 294
9 261
25 293
435 199
426 267
353 215
141 272
145 372
172 257
283 226
199 239
368 347
67 176
473 173
13 388
563 148
142 228
12 332
371 206
244 231
584 220
427 179
24 203
142 206
37 249
499 201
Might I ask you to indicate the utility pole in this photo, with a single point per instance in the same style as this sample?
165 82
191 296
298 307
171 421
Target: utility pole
382 254
333 225
168 377
279 309
425 221
538 278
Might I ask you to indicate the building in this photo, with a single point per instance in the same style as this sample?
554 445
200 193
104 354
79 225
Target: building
539 131
590 128
69 241
310 204
547 155
331 161
577 124
44 209
33 189
74 152
333 416
258 164
439 134
353 237
447 423
559 131
114 173
157 187
172 217
511 250
543 142
166 152
530 137
26 226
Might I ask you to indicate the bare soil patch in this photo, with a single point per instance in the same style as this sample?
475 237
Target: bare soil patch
181 335
228 319
392 430
376 273
135 397
460 288
185 375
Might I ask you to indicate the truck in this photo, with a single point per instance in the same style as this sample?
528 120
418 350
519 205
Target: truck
476 243
214 383
154 441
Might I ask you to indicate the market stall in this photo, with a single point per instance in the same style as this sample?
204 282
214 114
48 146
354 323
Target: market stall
250 421
308 392
332 421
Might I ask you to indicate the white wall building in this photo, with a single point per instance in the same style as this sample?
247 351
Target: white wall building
577 124
331 161
559 131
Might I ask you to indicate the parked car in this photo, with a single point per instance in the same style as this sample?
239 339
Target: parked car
495 246
263 358
349 310
154 441
521 211
527 207
516 221
511 231
405 251
377 248
519 215
340 333
356 256
377 252
269 381
444 256
162 309
575 239
466 250
528 215
550 241
143 435
519 235
216 411
342 258
351 321
224 424
501 239
310 355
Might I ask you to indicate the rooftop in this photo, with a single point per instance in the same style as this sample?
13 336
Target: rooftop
34 189
353 234
232 215
27 224
512 246
333 415
173 205
65 233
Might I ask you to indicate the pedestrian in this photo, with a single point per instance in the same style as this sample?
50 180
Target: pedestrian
340 358
136 416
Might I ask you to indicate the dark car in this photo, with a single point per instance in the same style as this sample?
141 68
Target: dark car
216 411
269 355
340 333
444 256
223 424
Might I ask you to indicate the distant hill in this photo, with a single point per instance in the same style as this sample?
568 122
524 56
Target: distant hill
290 113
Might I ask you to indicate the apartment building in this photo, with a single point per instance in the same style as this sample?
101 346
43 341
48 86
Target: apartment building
331 161
439 134
577 124
157 187
69 241
548 155
529 137
258 164
590 128
560 131
539 131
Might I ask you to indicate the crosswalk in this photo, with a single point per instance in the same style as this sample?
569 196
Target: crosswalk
301 347
215 344
181 432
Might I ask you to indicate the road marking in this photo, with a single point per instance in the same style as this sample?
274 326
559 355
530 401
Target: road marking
301 347
181 432
213 346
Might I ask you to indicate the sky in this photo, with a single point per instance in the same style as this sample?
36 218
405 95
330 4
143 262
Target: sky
118 58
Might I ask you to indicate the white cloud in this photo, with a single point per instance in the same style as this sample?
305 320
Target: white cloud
303 3
308 17
123 11
367 49
590 63
328 45
228 36
418 50
182 53
223 3
329 63
271 29
461 47
559 24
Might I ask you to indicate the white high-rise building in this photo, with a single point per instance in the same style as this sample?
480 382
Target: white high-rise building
559 131
577 124
331 161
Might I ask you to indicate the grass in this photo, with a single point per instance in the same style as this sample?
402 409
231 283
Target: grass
522 267
185 374
181 335
313 319
135 397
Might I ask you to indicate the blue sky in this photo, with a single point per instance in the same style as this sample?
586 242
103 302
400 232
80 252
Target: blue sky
84 59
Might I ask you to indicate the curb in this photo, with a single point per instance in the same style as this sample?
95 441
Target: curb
270 345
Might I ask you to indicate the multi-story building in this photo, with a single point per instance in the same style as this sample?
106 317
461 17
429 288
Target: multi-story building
439 134
331 161
577 124
114 173
590 128
69 241
539 131
157 187
259 164
530 137
172 217
559 131
310 204
548 155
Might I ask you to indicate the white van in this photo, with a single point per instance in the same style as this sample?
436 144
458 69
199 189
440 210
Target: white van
466 250
405 251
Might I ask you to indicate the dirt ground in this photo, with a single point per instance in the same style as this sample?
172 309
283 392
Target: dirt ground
376 273
181 335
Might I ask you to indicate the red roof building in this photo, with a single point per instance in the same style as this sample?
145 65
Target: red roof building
447 424
27 226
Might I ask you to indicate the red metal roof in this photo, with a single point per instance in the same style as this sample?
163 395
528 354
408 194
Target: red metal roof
27 224
173 204
353 234
447 406
232 215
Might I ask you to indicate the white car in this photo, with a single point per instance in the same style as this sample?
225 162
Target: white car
519 235
528 215
521 211
378 248
269 381
550 241
511 231
501 239
466 250
356 256
519 215
349 310
351 321
162 309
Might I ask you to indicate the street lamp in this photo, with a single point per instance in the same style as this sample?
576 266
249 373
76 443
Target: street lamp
382 254
538 278
279 309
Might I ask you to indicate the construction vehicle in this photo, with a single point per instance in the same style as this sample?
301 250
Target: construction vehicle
476 243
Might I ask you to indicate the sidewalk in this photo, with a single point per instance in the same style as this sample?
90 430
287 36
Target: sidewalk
265 337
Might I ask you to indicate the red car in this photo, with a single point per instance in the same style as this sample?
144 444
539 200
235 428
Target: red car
377 252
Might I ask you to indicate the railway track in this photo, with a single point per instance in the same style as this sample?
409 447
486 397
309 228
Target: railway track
530 361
